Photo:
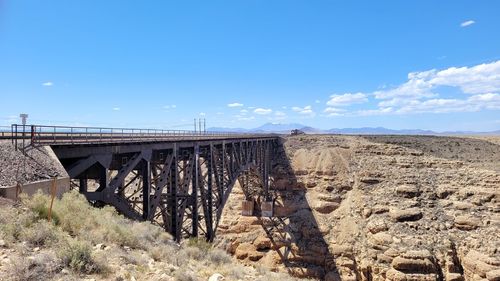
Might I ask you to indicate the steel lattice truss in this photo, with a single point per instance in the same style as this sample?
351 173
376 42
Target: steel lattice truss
183 187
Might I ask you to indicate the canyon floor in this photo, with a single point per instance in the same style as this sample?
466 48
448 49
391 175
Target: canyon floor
377 208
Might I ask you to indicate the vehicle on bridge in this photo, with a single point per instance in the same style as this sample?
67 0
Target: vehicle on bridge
296 132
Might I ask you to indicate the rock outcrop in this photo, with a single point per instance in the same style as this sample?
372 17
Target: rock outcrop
377 208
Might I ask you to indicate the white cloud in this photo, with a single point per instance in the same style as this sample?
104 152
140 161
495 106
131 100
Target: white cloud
380 111
244 118
415 87
116 109
317 101
263 111
333 111
346 99
235 104
479 79
467 23
306 110
473 103
244 111
47 84
420 94
280 115
171 106
202 114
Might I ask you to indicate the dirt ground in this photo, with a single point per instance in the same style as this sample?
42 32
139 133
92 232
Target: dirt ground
35 165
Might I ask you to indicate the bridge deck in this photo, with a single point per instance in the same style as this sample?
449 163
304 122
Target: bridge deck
65 135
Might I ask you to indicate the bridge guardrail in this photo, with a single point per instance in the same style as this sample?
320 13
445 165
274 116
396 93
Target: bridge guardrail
5 131
49 135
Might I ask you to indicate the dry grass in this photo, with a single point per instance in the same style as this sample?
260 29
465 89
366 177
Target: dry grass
43 266
66 247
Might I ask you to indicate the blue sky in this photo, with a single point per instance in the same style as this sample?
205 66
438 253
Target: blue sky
327 64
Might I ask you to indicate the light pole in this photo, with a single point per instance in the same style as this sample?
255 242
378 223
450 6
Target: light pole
24 117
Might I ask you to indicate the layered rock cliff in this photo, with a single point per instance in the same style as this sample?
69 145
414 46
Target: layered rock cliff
377 208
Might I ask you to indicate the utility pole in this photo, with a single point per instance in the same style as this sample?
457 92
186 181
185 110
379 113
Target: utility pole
204 125
194 125
199 125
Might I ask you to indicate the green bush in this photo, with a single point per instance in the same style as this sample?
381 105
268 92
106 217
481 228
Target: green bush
40 204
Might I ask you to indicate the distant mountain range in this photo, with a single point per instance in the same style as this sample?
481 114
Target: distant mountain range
286 128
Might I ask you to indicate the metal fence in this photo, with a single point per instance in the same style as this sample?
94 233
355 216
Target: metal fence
5 131
47 135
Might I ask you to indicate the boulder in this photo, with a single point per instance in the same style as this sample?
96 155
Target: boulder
216 277
411 214
377 225
493 275
479 264
407 191
326 207
382 238
243 250
467 222
262 243
408 265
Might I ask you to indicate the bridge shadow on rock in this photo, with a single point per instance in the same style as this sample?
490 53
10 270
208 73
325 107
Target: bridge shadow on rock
303 250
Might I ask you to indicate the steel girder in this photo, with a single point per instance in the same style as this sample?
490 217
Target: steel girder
181 188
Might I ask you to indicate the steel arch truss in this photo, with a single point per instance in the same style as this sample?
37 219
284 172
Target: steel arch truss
183 188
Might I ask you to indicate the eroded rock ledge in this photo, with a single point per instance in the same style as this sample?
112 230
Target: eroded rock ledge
378 208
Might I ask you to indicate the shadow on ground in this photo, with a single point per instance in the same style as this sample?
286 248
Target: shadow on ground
293 230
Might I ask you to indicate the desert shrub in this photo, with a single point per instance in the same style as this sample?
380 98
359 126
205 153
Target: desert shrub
218 257
148 235
115 229
77 217
135 258
14 227
40 233
164 252
6 215
74 212
193 253
39 204
41 267
236 272
77 255
185 275
199 243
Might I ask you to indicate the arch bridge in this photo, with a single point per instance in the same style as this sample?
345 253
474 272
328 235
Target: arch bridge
180 180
